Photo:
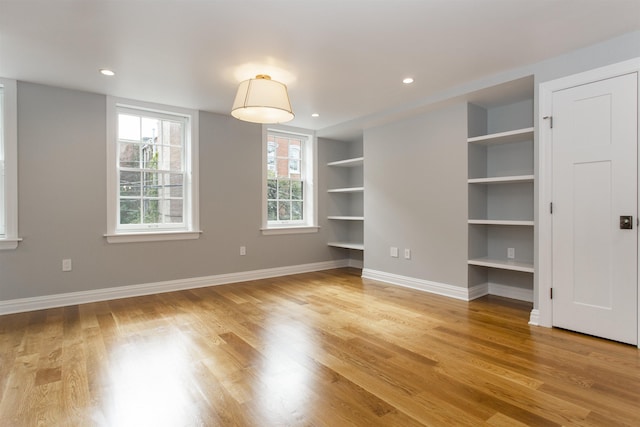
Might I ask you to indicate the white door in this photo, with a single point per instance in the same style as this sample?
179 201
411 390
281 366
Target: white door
595 182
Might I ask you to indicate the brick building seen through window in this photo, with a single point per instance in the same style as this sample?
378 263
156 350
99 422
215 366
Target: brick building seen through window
285 185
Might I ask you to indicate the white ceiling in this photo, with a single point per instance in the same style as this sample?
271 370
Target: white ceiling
344 59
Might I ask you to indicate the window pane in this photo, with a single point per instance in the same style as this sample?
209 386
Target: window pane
272 189
284 189
129 155
173 211
163 157
283 168
296 211
272 211
152 184
128 127
294 150
175 159
150 130
171 133
294 168
129 211
3 225
174 185
296 190
271 149
284 209
151 211
150 156
129 183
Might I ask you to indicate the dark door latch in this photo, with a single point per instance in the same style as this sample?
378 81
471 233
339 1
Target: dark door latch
626 222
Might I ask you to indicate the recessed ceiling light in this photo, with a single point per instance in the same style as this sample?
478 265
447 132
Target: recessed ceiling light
407 80
315 115
107 72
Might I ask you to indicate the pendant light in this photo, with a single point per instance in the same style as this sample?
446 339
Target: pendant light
262 100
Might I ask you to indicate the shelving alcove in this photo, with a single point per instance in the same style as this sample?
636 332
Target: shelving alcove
347 203
501 193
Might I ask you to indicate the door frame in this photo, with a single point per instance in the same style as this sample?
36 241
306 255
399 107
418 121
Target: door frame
543 314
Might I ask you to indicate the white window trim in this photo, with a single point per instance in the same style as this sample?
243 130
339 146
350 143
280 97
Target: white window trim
10 109
310 224
192 229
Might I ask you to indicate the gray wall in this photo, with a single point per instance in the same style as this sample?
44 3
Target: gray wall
415 180
396 212
62 205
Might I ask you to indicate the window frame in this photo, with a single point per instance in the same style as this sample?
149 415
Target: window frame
309 155
9 146
190 228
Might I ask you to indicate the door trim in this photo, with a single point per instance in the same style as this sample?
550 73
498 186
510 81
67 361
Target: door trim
542 315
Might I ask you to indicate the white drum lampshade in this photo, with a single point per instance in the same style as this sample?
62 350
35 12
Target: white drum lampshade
262 100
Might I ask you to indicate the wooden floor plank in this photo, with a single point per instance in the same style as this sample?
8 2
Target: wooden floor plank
317 349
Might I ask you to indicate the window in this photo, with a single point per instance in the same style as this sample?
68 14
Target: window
8 165
290 199
3 225
152 166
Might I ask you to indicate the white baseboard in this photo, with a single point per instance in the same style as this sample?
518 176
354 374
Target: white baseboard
356 263
534 318
457 292
83 297
478 291
465 294
511 292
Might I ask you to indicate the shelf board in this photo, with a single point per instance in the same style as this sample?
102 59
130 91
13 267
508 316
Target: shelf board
503 137
502 179
346 245
346 217
500 222
504 264
348 163
346 190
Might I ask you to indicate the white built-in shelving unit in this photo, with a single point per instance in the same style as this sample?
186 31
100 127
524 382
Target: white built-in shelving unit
348 163
347 245
346 218
346 190
348 202
500 187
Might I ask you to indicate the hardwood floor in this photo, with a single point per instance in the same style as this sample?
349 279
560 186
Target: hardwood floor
317 349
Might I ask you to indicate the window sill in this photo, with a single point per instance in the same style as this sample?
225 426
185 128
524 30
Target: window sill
9 244
290 230
155 236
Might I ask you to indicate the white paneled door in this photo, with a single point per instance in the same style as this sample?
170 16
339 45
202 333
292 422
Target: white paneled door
595 208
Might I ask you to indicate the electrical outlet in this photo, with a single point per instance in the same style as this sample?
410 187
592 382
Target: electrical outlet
66 265
243 250
407 254
511 253
393 251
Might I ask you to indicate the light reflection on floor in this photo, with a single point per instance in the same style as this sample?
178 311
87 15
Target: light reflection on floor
287 385
156 376
150 382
